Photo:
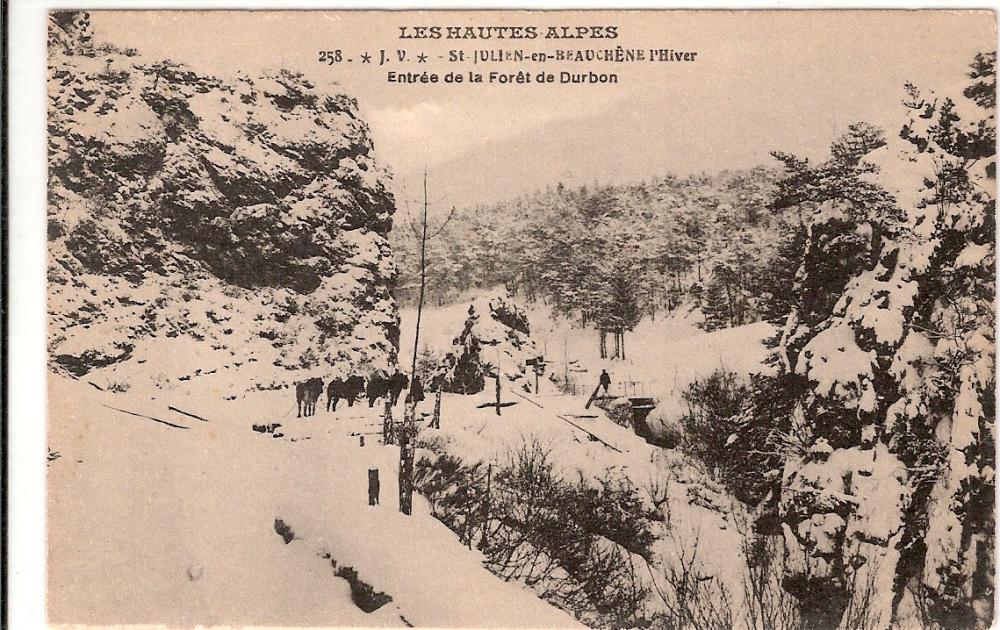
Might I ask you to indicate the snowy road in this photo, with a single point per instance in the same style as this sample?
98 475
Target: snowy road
179 524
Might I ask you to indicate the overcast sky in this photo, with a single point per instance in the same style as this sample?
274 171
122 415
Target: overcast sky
762 81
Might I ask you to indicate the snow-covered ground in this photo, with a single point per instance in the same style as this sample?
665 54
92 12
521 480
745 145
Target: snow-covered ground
663 356
585 444
150 523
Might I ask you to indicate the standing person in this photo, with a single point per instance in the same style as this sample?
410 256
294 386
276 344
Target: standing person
605 381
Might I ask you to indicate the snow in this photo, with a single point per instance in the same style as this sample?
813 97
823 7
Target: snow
855 497
821 448
878 305
182 520
878 480
554 420
155 524
975 255
663 357
834 361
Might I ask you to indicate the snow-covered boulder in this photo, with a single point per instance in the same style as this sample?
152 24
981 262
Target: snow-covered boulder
664 429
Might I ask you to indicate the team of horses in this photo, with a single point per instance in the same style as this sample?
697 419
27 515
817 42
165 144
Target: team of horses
378 385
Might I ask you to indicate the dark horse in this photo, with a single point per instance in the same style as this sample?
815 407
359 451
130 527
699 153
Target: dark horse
307 392
347 389
397 383
378 387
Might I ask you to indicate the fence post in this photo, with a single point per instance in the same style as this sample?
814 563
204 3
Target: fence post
387 429
407 435
484 539
498 392
436 419
373 486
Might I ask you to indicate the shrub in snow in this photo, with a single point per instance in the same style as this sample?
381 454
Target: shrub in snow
715 432
363 594
282 529
79 356
619 411
575 543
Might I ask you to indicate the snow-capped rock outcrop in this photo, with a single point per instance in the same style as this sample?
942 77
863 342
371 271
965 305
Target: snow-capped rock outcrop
896 492
250 215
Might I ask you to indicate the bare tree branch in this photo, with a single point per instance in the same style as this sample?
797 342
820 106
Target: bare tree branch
445 224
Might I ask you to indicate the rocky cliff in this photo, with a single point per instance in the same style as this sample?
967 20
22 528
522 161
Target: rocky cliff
244 217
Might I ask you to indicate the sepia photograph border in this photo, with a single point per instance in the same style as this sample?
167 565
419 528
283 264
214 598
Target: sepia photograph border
26 242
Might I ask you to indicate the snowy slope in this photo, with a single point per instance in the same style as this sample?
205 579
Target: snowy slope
667 354
585 444
150 523
181 521
663 356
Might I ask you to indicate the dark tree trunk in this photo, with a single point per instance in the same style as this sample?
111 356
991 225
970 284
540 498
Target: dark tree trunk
484 541
387 428
406 445
729 304
436 421
498 391
876 245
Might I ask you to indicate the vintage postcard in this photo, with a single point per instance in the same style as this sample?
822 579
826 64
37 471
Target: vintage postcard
521 319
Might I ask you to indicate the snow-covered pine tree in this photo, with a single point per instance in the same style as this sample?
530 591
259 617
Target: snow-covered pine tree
715 302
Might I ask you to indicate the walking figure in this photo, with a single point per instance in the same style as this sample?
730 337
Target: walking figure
605 382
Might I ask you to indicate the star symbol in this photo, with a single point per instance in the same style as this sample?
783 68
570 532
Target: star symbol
421 58
366 58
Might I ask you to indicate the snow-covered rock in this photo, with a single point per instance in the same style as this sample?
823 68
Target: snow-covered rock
248 215
896 490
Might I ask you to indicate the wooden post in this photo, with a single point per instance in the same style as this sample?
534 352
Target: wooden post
387 429
484 539
498 392
566 363
373 486
436 420
407 434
